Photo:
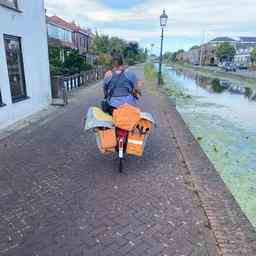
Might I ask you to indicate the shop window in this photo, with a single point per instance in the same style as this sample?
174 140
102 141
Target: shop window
15 67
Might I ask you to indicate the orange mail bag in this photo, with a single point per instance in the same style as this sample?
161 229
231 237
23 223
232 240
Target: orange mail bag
136 143
126 117
106 140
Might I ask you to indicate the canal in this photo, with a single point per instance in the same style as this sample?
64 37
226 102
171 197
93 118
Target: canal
222 116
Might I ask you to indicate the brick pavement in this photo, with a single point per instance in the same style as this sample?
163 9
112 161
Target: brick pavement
60 197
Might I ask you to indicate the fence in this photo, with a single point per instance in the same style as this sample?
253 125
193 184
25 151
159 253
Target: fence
63 85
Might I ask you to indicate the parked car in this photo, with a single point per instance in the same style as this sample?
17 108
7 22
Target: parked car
242 66
229 66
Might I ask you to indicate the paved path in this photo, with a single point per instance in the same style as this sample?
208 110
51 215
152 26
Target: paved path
60 197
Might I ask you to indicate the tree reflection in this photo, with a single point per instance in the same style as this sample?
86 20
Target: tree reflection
216 86
248 92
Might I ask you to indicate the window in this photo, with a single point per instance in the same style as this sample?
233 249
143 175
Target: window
59 33
9 3
53 31
68 36
85 44
15 67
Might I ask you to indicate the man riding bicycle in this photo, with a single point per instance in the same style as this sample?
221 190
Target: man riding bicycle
120 86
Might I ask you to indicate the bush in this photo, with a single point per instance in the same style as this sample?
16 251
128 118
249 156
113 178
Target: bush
73 62
55 70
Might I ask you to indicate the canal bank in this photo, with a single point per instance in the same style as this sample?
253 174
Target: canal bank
234 233
248 78
220 114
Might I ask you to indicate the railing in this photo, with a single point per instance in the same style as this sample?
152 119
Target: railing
63 85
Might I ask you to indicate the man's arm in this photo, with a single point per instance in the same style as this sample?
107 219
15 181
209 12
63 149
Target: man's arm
106 80
137 84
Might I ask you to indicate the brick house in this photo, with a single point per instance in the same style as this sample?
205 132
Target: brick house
208 50
68 35
82 40
59 34
208 54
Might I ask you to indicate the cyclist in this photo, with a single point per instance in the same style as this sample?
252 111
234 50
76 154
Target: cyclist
121 86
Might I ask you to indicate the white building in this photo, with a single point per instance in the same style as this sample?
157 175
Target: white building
24 64
244 47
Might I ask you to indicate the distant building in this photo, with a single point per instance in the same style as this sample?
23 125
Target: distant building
209 50
244 47
24 70
220 40
193 56
68 35
208 54
181 56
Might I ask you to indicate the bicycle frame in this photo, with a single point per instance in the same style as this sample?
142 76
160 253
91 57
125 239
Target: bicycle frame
122 136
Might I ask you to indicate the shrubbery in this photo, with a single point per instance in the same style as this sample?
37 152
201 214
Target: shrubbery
73 62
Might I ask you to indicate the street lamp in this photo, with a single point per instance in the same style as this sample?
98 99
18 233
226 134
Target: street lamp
163 23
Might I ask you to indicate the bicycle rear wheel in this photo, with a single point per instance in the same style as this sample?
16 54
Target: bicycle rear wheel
120 167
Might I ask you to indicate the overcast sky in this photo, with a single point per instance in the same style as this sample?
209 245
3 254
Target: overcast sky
190 21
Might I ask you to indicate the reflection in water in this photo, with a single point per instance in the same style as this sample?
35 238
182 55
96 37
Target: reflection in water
222 114
218 85
248 92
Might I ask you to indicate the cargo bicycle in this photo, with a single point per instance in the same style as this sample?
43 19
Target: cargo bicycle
124 133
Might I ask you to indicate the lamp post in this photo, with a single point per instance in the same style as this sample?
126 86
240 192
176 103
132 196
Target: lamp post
163 23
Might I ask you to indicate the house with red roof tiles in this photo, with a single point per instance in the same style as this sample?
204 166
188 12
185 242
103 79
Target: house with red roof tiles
69 35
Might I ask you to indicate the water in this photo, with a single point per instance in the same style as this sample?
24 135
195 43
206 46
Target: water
222 116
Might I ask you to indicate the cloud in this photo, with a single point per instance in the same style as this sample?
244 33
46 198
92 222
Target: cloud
186 17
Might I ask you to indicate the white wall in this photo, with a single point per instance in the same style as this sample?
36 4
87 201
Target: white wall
30 25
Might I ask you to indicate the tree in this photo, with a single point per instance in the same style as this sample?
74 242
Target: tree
225 51
105 46
104 59
168 57
55 62
101 43
117 45
253 56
